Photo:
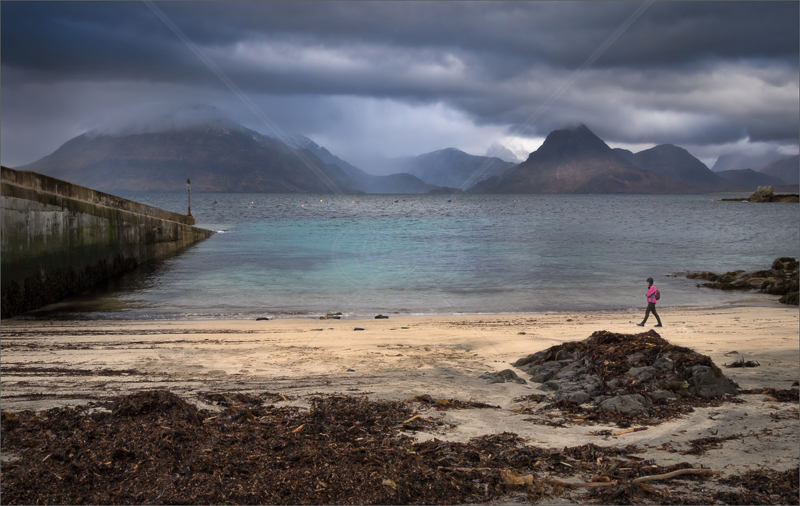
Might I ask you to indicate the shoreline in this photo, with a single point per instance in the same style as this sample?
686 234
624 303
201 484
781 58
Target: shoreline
759 300
501 338
61 363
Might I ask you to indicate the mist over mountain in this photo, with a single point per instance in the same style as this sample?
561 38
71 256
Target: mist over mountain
502 152
786 169
678 164
736 160
575 160
195 117
750 179
159 153
216 154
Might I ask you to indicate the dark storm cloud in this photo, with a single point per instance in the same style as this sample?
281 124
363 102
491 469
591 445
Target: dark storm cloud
681 72
107 37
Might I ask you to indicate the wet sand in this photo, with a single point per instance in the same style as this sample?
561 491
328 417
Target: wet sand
47 364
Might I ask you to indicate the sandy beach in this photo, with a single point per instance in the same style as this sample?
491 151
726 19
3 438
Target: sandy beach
47 364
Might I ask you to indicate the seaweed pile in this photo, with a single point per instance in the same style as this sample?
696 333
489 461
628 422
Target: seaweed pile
154 447
781 279
621 378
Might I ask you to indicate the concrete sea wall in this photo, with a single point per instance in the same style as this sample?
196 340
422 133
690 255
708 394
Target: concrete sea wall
59 238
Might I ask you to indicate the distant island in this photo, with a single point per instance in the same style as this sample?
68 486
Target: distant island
220 155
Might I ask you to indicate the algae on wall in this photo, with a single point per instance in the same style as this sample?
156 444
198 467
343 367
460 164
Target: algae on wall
59 242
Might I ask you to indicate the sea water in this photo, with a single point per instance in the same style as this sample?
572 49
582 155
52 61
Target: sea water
279 255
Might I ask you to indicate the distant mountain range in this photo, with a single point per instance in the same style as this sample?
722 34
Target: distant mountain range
362 181
678 164
450 168
784 169
221 155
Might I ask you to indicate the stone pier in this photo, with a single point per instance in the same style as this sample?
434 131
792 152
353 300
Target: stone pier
59 238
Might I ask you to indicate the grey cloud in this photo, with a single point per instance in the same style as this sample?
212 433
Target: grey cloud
496 63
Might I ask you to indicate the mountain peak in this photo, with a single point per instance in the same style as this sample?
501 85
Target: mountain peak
578 141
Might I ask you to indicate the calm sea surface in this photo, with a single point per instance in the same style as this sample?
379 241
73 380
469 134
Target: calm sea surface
303 255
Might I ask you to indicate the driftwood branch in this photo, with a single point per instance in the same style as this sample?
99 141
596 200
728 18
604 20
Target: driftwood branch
640 479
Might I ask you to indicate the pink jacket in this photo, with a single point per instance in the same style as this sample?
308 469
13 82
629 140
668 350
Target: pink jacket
651 294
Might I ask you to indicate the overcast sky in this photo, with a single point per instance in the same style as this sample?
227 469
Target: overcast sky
368 79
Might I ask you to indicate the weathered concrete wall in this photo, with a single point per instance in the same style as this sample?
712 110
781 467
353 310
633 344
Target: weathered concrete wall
59 238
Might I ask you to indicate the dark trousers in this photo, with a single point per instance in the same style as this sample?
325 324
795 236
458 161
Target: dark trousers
651 307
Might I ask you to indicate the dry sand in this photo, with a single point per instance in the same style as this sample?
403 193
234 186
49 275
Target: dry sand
46 364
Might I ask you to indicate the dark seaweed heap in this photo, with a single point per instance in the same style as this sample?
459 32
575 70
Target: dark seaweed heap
154 447
659 380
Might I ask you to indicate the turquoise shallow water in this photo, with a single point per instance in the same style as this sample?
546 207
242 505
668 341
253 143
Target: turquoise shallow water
303 255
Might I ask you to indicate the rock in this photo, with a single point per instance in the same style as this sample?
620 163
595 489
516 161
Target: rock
261 319
636 359
762 194
664 364
642 374
785 264
550 385
781 279
547 371
539 356
381 317
791 298
662 395
503 376
674 382
704 382
632 404
358 328
579 397
571 372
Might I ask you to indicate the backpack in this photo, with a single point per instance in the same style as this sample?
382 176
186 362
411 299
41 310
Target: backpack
658 294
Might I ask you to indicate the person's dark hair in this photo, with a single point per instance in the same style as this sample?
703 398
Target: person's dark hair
650 280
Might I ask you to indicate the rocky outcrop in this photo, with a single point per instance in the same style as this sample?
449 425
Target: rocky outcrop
767 194
625 373
781 279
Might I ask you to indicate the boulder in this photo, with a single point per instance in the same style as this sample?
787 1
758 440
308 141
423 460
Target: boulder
503 376
550 385
632 404
579 397
642 374
785 264
705 382
544 372
662 395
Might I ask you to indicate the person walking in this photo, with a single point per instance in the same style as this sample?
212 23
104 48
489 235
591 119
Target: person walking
651 303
